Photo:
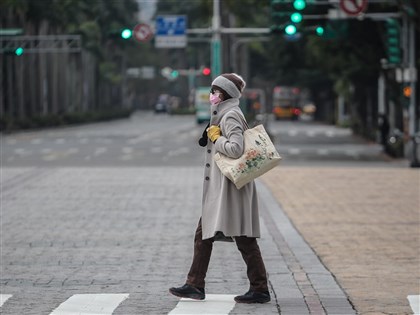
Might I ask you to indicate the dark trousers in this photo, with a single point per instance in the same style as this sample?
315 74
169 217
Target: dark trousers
251 254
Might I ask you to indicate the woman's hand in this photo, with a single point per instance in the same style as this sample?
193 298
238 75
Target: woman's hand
213 133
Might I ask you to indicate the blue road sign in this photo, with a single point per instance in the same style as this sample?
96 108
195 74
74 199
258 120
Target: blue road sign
171 31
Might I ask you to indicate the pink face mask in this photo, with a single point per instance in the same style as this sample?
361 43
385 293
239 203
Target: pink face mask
214 99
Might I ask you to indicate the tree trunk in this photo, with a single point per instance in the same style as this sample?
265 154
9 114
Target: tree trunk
43 79
1 86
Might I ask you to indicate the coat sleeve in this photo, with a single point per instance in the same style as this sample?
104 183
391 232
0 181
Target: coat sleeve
231 142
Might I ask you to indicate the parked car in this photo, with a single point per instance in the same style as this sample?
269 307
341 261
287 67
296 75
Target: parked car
162 103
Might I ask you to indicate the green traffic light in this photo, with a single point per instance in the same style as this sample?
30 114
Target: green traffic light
320 31
299 4
174 74
126 33
290 29
296 17
19 51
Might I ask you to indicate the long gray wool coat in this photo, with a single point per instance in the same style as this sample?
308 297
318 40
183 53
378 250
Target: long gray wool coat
225 208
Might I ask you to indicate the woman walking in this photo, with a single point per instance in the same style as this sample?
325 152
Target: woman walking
228 213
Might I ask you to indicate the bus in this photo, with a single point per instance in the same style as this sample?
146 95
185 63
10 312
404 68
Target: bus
202 104
286 102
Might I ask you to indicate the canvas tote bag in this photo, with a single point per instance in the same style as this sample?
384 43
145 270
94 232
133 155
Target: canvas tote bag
259 157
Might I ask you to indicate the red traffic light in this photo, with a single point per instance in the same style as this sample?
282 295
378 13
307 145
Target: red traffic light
206 71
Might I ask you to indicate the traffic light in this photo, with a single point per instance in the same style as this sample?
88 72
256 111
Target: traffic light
174 74
290 29
206 71
319 30
407 91
296 17
126 33
299 4
393 41
285 16
332 29
280 15
18 51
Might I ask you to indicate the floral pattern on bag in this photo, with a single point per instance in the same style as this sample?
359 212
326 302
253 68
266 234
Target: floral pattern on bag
253 158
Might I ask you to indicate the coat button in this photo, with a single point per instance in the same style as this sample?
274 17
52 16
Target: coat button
208 151
215 112
208 165
207 178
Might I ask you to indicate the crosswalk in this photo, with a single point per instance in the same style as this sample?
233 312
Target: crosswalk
217 304
4 298
103 304
106 304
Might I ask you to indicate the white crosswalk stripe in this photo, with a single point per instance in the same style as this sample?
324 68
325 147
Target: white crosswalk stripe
414 303
4 298
89 304
217 304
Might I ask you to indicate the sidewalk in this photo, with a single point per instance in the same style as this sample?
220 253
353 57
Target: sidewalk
363 223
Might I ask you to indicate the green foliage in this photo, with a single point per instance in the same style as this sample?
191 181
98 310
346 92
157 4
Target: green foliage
110 72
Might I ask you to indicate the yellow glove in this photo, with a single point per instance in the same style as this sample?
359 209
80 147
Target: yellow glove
213 133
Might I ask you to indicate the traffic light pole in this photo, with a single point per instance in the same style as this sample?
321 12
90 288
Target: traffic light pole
216 42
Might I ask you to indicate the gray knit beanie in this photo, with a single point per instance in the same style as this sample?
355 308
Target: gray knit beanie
231 84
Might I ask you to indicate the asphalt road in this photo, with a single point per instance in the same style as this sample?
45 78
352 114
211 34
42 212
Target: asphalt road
147 139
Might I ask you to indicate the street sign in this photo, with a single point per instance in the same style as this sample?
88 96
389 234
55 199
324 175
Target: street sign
171 31
11 31
353 7
145 72
142 32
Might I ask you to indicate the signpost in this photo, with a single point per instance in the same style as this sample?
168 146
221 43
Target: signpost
353 7
142 32
171 31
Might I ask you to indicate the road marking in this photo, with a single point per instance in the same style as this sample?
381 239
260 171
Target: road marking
292 133
156 150
294 151
22 152
414 303
322 151
46 151
178 152
100 151
353 154
84 141
71 151
50 157
127 150
84 304
329 133
311 133
4 298
60 141
213 304
36 141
